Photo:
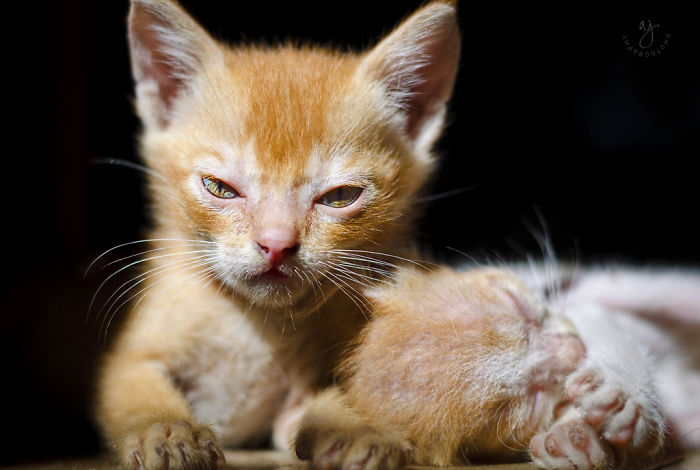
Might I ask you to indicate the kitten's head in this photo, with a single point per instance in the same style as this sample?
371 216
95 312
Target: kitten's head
281 157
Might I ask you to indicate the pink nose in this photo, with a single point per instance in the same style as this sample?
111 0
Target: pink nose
276 246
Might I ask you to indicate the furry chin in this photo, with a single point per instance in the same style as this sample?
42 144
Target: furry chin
273 289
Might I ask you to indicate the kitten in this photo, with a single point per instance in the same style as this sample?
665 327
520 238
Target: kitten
279 179
479 365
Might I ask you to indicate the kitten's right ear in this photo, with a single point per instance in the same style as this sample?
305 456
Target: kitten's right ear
168 48
416 65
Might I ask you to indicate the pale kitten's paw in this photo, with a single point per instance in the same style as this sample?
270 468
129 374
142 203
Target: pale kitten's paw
173 446
602 425
359 449
570 444
627 423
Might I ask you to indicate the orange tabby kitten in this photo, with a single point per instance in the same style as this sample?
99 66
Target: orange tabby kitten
281 178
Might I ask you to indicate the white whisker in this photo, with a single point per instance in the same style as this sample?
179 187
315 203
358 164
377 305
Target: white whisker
365 267
152 250
132 264
349 291
202 260
498 428
349 275
364 254
128 164
146 240
158 270
368 260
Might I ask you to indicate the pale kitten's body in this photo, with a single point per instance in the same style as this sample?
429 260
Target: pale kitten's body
479 365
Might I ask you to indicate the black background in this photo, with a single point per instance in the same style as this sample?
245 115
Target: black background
553 122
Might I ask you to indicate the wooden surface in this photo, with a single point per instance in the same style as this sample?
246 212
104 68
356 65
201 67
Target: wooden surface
240 459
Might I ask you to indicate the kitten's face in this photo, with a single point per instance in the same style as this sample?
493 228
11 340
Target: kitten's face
282 171
282 158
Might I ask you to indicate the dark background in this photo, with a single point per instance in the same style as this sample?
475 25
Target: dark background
553 123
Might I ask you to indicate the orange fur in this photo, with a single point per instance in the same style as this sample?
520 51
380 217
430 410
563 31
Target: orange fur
224 338
444 369
429 360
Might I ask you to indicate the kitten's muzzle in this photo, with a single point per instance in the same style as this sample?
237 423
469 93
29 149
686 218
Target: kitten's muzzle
276 241
276 251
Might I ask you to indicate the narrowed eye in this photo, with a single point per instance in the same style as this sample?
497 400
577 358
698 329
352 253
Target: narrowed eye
218 188
341 196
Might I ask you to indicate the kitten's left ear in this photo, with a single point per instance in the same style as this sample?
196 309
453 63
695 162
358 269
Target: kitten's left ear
417 65
168 50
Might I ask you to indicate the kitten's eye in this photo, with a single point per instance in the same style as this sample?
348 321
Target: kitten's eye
341 196
218 188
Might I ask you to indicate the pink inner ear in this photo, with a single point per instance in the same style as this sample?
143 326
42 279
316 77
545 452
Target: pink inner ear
168 84
150 61
418 64
430 94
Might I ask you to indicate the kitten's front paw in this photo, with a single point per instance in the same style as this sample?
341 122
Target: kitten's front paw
620 419
569 444
358 449
172 446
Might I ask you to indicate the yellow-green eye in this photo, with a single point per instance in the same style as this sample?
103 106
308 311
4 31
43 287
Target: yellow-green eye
341 196
218 188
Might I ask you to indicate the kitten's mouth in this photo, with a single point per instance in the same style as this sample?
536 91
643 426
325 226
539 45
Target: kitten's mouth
273 275
277 286
285 287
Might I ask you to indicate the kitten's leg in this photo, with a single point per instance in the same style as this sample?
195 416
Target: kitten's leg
148 420
659 308
333 436
613 405
602 423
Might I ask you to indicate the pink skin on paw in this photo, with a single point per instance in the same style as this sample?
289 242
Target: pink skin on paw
570 351
616 417
579 438
585 383
569 444
597 415
624 425
553 446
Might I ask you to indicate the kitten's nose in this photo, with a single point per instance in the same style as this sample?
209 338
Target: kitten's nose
277 245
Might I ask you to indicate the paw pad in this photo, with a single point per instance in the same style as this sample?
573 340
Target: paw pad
581 384
570 444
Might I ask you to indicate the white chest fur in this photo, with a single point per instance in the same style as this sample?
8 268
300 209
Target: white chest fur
234 382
